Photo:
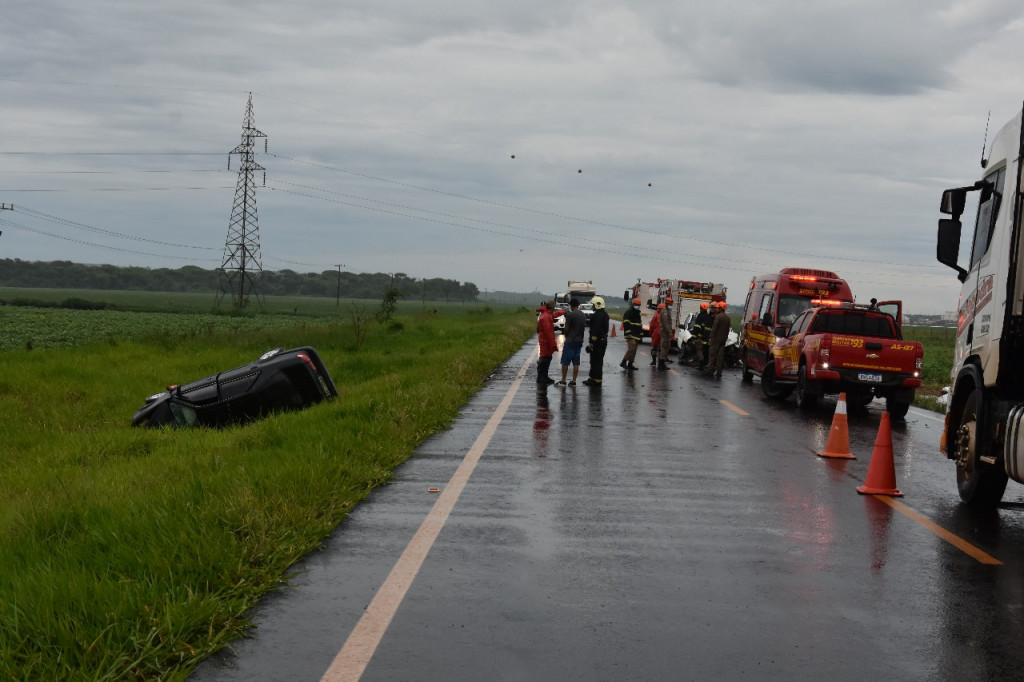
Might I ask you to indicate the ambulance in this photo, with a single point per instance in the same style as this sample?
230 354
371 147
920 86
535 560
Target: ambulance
776 299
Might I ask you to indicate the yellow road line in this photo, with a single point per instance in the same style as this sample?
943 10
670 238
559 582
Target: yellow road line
355 655
733 408
955 540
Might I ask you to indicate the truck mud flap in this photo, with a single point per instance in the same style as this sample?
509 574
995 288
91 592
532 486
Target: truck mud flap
1013 446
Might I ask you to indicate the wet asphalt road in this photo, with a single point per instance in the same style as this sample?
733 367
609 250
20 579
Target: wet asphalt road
667 526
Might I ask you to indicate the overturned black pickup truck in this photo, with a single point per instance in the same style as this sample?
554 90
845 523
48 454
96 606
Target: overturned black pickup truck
280 380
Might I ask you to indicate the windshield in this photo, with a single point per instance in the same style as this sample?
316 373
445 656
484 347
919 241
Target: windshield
790 306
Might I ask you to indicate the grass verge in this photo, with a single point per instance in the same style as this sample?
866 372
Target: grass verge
130 554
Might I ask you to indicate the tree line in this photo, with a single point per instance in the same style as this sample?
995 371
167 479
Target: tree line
190 278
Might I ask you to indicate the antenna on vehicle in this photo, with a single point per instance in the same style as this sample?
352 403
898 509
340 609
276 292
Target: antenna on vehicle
984 161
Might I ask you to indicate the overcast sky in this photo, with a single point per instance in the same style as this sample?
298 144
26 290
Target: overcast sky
716 140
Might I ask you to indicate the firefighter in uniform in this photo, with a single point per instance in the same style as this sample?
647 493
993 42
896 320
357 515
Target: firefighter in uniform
633 330
656 334
701 329
719 335
597 342
665 324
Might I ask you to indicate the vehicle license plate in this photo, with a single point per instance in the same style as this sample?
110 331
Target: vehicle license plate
869 376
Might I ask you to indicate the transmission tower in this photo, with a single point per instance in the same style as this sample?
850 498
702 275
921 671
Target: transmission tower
241 267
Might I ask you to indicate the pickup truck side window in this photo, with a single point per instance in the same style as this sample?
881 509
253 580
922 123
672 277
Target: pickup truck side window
800 324
988 209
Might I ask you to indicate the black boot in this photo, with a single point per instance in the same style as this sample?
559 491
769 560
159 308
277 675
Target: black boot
662 366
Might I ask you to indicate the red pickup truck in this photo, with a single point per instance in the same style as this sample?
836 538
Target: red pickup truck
854 348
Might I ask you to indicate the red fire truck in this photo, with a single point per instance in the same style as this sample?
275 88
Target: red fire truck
776 299
686 298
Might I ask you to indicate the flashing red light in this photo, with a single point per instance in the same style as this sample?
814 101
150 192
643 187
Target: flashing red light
825 301
803 278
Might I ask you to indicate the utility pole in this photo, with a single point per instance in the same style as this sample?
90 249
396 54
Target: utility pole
241 267
337 297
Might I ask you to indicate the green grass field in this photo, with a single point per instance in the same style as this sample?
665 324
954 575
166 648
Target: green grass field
939 344
131 554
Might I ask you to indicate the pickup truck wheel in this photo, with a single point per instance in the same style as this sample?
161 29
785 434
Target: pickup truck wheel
858 401
805 397
897 410
770 387
980 484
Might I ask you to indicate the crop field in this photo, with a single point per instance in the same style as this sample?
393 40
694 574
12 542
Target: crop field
131 554
177 302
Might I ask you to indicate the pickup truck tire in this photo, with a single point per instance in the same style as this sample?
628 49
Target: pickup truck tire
897 410
770 387
979 484
806 398
858 400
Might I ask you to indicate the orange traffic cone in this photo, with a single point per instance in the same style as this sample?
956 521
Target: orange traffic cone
881 478
613 331
838 444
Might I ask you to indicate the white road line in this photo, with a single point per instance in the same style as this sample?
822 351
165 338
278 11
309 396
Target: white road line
355 655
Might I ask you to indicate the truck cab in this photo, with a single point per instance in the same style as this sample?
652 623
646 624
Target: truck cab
985 410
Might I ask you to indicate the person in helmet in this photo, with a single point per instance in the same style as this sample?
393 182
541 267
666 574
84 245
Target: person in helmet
633 330
655 330
598 342
701 330
720 327
665 323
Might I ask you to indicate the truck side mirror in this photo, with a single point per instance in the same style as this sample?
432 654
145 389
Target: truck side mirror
953 202
781 331
625 296
767 320
947 246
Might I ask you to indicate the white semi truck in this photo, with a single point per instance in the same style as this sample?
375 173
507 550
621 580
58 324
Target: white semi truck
582 291
983 433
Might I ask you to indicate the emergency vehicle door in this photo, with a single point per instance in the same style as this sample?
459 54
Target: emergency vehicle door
893 309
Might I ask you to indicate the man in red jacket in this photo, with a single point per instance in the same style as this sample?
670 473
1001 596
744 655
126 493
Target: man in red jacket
546 341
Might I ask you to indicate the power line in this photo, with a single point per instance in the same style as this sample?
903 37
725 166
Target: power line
101 246
83 226
111 189
589 221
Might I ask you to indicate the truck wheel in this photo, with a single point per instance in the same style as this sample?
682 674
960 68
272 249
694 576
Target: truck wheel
748 376
805 396
770 387
858 401
979 484
897 410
